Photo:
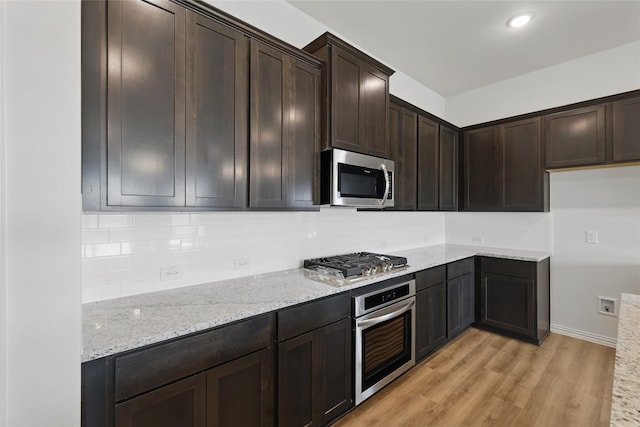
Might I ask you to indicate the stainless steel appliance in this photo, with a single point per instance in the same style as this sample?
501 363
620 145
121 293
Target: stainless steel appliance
384 327
356 265
354 179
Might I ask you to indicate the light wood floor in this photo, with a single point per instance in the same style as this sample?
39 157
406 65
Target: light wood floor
483 379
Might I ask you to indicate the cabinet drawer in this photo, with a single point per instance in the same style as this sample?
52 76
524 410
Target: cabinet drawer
143 370
458 268
307 317
509 267
431 277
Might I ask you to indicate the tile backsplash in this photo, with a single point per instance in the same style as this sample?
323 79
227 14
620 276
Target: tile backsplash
133 253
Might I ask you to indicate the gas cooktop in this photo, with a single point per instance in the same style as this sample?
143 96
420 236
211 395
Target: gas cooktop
357 264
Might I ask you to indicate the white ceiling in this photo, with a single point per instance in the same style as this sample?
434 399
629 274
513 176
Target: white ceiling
455 46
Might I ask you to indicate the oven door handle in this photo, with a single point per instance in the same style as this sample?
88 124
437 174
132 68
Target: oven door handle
385 314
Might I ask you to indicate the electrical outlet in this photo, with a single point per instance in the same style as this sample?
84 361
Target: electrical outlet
591 236
171 273
241 264
477 240
607 305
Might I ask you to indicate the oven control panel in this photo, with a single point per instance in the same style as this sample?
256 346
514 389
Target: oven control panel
386 296
383 297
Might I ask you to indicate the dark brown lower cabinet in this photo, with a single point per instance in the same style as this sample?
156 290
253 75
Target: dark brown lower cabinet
431 319
182 403
514 298
460 296
219 377
239 393
314 376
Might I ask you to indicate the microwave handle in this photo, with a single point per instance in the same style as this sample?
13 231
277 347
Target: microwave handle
386 184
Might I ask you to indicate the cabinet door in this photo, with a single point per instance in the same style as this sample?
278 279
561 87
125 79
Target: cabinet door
395 138
431 320
333 369
269 163
304 134
522 166
428 165
146 103
507 303
460 304
217 106
482 169
374 107
408 160
182 403
575 137
403 130
626 130
315 382
448 177
240 393
297 401
345 97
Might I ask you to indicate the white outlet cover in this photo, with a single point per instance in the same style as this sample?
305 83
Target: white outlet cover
608 306
591 236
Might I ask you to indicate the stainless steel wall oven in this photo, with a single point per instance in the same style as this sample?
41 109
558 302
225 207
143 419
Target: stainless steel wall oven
384 327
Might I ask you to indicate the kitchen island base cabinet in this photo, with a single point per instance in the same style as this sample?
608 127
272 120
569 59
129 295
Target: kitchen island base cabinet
514 298
315 384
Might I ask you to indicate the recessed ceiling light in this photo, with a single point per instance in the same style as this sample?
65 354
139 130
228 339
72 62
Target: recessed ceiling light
520 20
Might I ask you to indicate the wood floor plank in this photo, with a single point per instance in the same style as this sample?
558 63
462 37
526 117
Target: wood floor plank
484 379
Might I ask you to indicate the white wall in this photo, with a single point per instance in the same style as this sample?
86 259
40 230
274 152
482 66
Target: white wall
606 201
3 240
604 73
288 23
122 254
520 230
42 208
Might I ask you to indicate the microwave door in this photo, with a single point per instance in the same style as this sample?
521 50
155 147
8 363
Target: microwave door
367 186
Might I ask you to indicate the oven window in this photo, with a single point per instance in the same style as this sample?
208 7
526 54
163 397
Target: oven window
385 347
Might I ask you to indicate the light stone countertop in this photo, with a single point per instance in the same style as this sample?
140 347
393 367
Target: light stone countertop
625 400
117 325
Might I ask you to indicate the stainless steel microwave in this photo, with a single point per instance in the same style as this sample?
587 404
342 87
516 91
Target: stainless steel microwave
354 179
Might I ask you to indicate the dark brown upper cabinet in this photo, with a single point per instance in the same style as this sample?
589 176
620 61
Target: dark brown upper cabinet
356 90
575 137
402 150
145 47
428 165
626 130
448 178
600 133
285 119
216 156
437 166
166 98
425 152
503 169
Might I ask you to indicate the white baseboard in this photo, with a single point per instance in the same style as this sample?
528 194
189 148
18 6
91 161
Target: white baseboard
583 335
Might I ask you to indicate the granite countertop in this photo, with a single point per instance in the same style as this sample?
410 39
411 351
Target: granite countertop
625 405
117 325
